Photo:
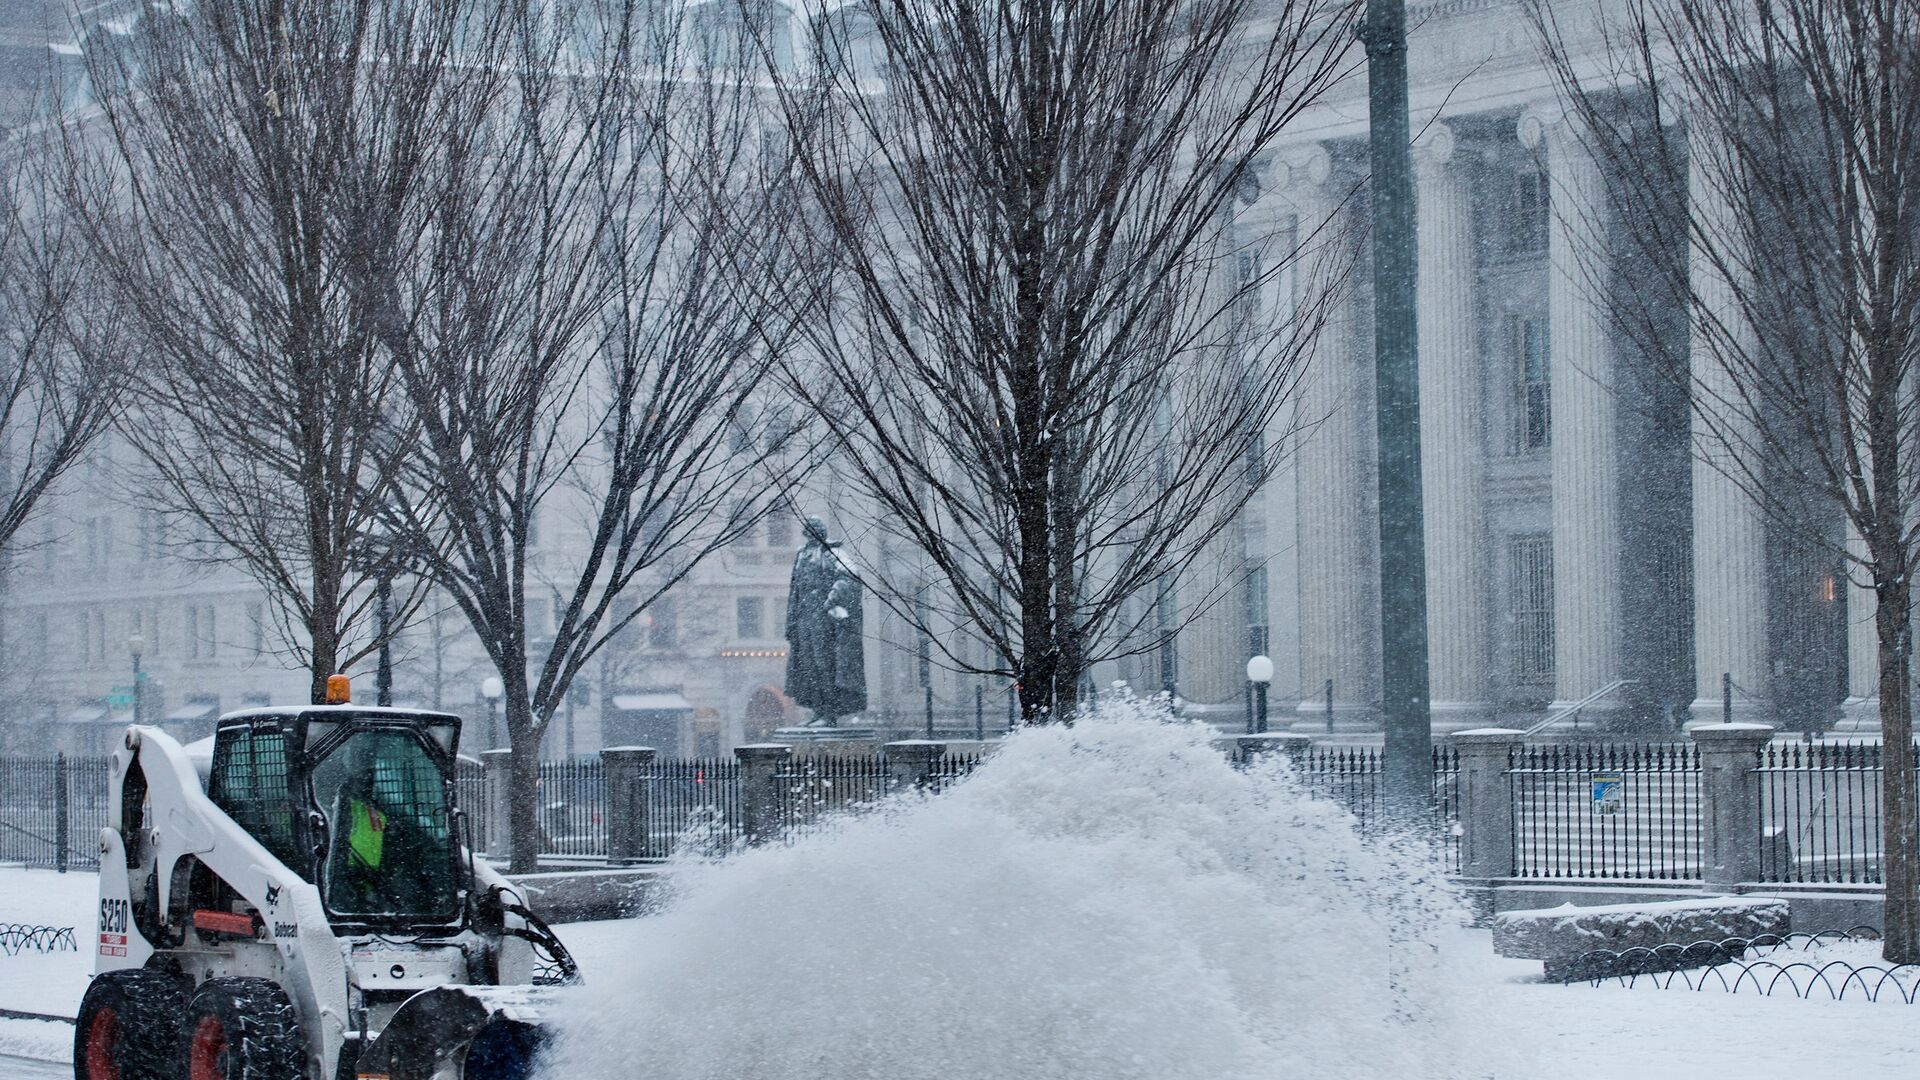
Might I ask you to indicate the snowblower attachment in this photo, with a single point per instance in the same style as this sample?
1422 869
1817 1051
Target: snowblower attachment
468 1032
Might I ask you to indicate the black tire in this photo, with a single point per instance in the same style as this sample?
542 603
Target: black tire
128 1026
241 1029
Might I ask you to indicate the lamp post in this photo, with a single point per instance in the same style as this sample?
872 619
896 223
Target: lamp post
1259 673
491 689
383 612
135 646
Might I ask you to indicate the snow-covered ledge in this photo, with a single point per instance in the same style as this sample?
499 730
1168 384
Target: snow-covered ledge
1561 936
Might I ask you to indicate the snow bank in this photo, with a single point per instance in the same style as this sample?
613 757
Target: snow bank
51 983
1109 901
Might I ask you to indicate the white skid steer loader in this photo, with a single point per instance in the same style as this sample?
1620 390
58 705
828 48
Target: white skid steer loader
296 899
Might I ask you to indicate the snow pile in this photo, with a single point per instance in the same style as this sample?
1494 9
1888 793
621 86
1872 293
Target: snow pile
1108 901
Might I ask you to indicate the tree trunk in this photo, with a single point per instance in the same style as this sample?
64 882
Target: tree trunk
1901 932
524 820
325 653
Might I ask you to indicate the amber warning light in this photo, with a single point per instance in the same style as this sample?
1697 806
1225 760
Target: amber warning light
339 690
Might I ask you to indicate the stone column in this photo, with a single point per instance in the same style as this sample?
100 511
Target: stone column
1338 543
1486 802
498 766
1452 451
760 790
629 818
1729 803
1863 646
1729 534
1586 495
910 762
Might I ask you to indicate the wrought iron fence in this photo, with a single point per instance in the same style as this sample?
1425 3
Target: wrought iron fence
692 804
573 808
1606 810
470 787
815 788
1351 776
1820 815
52 810
1785 965
950 768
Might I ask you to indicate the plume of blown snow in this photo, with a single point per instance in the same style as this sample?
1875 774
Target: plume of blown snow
1107 901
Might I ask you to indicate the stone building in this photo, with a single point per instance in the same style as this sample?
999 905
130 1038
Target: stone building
1577 548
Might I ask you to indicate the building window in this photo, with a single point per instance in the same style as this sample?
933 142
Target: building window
193 633
780 531
1530 594
1532 209
1532 352
257 621
664 632
750 617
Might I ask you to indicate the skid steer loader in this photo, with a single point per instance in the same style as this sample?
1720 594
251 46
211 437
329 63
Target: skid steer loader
296 899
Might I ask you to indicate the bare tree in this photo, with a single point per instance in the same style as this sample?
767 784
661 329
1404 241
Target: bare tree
1763 177
239 168
580 351
61 362
1028 297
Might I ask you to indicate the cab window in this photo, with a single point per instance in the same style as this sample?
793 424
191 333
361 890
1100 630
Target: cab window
249 782
389 848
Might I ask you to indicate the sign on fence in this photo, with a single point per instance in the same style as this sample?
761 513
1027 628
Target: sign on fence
1609 795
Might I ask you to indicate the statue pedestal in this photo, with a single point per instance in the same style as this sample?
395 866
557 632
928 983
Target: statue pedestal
829 740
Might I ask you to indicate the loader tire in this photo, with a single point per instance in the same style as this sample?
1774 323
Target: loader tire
127 1027
241 1029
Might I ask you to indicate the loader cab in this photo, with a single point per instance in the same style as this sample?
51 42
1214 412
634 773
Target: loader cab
357 800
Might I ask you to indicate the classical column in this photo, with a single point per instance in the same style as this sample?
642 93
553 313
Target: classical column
1729 534
1337 542
1451 438
1862 710
1586 493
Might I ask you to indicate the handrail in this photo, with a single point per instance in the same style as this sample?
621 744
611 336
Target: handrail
1574 709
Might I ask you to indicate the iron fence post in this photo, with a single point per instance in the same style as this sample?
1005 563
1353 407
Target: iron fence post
61 812
760 788
1486 810
910 762
629 820
1730 803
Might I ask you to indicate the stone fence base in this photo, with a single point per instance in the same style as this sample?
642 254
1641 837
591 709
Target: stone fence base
1813 907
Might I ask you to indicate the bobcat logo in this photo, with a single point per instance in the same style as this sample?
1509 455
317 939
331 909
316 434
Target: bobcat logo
273 895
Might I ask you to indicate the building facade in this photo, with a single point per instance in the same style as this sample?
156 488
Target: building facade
1582 551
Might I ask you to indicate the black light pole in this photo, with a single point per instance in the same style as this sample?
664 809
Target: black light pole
1403 564
1259 674
492 689
383 614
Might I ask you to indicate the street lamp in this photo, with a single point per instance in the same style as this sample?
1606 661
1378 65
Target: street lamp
1259 673
137 645
491 689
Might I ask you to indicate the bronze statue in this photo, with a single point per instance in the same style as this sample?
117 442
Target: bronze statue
826 664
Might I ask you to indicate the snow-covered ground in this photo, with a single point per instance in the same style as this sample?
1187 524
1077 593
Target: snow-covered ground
1108 902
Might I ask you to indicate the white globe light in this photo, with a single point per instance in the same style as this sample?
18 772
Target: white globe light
491 689
1260 669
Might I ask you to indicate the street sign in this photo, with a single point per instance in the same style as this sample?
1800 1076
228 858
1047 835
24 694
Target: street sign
1609 795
